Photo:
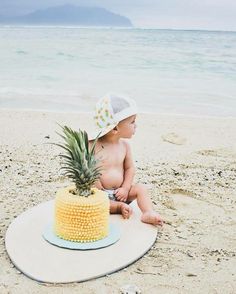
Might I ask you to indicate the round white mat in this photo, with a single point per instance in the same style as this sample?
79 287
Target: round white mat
41 261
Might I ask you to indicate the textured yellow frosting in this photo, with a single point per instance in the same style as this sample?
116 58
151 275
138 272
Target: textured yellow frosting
81 219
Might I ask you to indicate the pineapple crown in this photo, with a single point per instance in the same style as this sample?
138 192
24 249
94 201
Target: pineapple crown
79 162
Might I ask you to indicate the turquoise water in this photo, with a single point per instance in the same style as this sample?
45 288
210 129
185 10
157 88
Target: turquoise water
166 71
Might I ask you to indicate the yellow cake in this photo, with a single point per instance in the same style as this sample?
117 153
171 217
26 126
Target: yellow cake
81 219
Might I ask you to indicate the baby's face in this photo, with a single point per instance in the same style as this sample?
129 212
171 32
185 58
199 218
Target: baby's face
126 127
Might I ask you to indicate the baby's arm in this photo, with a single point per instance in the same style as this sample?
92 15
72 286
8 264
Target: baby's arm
128 168
123 191
98 183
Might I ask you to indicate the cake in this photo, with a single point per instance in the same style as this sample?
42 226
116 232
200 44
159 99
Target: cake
81 211
81 219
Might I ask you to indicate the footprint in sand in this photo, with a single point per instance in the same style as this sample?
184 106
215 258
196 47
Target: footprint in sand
182 191
191 208
173 138
207 221
221 152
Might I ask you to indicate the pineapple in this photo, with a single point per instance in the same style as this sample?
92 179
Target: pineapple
81 211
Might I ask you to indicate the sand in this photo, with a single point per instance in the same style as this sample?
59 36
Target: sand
189 164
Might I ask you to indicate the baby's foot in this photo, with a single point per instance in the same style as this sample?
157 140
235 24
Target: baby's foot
125 210
152 217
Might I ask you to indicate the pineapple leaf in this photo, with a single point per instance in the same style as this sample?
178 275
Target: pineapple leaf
79 162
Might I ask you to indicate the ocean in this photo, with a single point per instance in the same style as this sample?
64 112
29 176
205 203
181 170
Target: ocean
166 71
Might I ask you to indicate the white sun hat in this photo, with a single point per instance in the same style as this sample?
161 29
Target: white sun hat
109 111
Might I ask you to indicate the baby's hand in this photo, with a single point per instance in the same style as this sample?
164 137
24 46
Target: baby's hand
121 194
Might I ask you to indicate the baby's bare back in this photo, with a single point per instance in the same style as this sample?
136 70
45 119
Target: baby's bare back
112 158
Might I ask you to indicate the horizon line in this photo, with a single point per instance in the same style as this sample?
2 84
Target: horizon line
117 27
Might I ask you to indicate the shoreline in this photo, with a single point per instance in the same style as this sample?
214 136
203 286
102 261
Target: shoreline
165 114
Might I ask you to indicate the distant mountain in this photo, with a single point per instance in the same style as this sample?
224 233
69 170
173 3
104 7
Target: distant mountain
70 15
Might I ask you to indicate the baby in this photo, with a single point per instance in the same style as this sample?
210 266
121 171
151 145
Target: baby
115 121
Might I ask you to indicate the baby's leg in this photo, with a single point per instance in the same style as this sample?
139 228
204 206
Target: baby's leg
120 208
150 216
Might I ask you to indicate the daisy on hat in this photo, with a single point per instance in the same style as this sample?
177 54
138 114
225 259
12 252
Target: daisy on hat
109 111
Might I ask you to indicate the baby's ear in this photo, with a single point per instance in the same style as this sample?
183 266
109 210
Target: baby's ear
115 130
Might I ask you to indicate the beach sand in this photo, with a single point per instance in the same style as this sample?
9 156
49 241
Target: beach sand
190 165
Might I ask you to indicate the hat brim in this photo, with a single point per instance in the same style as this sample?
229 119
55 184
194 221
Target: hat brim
98 133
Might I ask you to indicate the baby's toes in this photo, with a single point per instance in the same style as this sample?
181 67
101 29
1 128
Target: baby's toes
158 221
125 210
129 211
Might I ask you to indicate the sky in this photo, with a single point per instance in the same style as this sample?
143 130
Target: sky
163 14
